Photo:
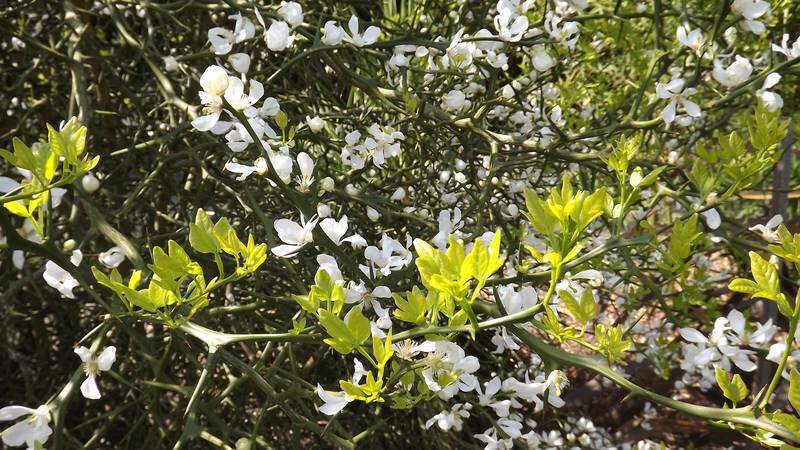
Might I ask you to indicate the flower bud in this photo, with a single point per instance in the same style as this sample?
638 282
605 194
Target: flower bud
373 214
327 184
636 177
170 64
69 245
90 183
323 210
315 123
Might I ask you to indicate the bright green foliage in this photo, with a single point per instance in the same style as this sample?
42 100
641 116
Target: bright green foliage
765 283
679 249
740 165
178 280
790 422
583 310
794 389
414 307
172 271
789 248
734 389
450 273
208 237
612 342
623 152
323 291
65 146
345 335
370 391
562 218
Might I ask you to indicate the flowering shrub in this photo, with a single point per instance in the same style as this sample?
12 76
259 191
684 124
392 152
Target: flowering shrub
472 224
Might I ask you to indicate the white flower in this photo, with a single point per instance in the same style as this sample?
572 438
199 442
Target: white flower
369 37
447 360
214 82
60 279
292 13
532 390
306 165
451 420
690 38
236 97
744 337
485 398
240 62
270 108
771 100
382 143
112 257
675 93
35 428
399 57
323 210
503 341
751 10
514 6
790 52
170 64
399 194
332 34
351 152
712 218
716 349
408 349
541 59
511 427
506 29
455 100
566 32
767 230
239 137
223 39
336 229
328 264
315 123
736 73
358 293
17 43
775 355
489 437
279 36
459 54
333 402
282 163
244 171
93 366
517 301
384 321
447 226
294 235
390 257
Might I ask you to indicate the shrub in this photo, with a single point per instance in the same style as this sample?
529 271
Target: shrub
471 224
